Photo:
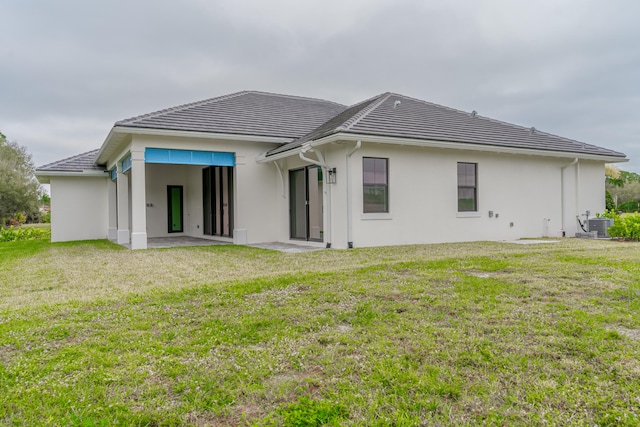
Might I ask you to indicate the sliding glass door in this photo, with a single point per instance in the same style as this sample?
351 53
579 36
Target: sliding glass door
217 197
305 204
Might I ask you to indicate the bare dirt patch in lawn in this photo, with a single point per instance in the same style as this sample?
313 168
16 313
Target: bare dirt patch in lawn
634 334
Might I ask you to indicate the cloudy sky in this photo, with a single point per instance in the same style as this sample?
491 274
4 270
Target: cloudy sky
71 68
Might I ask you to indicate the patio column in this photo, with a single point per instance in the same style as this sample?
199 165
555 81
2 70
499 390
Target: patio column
112 231
123 206
138 201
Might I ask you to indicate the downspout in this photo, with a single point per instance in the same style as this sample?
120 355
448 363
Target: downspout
327 187
349 195
578 190
575 161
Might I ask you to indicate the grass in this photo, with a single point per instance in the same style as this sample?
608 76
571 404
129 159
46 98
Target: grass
458 334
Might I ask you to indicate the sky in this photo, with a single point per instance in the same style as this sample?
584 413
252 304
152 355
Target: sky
71 68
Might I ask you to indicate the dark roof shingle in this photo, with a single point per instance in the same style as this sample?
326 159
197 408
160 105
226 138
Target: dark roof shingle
302 120
245 113
79 163
399 116
339 122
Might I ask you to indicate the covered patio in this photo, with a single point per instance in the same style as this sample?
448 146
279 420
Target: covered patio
186 241
156 192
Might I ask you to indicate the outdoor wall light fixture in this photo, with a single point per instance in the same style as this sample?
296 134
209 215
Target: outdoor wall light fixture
331 175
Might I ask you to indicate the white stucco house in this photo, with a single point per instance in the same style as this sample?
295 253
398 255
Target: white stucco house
255 167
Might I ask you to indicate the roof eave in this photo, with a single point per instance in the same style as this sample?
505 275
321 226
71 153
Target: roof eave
342 136
116 131
44 176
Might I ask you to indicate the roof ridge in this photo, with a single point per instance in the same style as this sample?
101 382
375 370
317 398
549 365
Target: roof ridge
217 99
183 106
365 111
68 158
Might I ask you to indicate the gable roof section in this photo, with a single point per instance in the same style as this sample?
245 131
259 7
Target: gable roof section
244 113
398 116
341 122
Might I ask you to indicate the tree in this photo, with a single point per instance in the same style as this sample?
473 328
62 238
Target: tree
628 177
610 204
45 199
623 187
613 175
19 190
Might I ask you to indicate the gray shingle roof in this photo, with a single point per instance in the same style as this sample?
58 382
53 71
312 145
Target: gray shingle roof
244 113
334 125
307 119
417 119
80 163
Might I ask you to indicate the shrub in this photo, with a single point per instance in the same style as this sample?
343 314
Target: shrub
12 234
626 226
630 206
609 202
608 213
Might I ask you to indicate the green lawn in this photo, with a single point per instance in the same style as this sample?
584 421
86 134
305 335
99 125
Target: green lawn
458 334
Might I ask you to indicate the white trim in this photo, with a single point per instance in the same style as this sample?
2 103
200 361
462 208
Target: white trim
83 174
127 130
104 174
198 134
437 144
376 216
468 215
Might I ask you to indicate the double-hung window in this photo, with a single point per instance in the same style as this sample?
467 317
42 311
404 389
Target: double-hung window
375 180
467 187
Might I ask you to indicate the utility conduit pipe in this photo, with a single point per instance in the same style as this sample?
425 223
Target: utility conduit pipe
349 195
327 187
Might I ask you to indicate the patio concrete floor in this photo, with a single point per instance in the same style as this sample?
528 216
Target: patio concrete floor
181 241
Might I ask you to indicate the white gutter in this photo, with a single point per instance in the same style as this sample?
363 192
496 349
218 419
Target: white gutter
327 187
562 195
352 137
72 173
349 196
43 177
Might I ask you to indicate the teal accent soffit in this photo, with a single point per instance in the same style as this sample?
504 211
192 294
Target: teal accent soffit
113 173
189 157
126 163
